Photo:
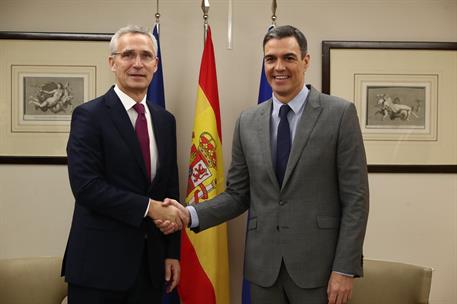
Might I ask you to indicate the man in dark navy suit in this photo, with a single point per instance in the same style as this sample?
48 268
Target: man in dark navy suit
122 164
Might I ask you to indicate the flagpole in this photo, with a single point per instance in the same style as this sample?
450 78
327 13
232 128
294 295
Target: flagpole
205 274
158 18
205 9
274 6
265 93
229 25
156 92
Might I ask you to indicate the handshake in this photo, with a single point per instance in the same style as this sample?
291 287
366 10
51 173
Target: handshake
169 216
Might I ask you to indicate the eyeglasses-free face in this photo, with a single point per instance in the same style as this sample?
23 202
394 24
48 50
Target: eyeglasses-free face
284 67
133 64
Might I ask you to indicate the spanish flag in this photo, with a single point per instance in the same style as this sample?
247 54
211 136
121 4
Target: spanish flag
204 256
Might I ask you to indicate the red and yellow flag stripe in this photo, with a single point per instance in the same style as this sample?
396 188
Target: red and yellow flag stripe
204 256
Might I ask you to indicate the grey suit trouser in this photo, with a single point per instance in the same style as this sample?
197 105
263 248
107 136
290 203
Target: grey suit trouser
285 291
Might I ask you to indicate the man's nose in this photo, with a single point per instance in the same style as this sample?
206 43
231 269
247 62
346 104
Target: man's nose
279 65
137 62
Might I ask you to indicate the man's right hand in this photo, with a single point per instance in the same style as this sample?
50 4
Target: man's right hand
169 213
167 226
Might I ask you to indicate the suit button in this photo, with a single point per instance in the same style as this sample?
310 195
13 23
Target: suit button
277 228
282 203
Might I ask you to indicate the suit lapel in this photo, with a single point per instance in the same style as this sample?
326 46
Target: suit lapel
305 126
124 126
263 121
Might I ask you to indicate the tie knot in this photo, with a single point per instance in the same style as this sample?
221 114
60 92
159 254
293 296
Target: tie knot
283 111
139 108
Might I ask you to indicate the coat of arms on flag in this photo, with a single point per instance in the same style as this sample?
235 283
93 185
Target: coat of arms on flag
203 160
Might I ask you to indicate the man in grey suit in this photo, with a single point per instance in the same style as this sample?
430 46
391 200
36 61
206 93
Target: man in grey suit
303 179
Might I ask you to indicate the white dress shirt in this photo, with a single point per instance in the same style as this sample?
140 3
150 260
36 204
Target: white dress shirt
128 104
297 104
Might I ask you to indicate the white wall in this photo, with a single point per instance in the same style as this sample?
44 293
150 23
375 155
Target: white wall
413 217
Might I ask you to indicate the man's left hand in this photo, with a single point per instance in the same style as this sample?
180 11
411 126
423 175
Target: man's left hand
172 273
339 288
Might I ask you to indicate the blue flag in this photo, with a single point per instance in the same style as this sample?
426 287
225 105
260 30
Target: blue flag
171 298
156 92
265 93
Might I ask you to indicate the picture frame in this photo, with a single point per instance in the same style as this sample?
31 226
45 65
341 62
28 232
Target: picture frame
406 99
43 77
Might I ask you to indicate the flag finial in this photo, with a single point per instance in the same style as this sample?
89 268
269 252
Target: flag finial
205 9
274 6
157 15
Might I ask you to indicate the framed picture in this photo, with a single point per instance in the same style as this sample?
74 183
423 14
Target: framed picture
43 77
406 98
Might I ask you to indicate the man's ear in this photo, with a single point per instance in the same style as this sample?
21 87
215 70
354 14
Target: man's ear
112 63
157 64
306 60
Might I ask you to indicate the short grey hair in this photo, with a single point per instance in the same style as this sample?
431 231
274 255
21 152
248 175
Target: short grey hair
131 29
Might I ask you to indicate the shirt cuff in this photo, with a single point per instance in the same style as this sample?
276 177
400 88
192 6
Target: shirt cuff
147 209
194 222
344 274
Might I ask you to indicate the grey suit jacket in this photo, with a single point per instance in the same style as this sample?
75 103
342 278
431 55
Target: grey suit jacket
316 221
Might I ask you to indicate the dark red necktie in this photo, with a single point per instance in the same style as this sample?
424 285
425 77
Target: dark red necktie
141 130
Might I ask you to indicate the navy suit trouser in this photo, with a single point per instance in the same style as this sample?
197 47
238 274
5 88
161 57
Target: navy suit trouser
142 292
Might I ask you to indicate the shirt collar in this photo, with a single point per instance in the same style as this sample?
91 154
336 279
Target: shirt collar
126 100
296 104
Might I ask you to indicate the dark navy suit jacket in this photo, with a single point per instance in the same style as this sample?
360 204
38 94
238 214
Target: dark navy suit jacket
111 188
